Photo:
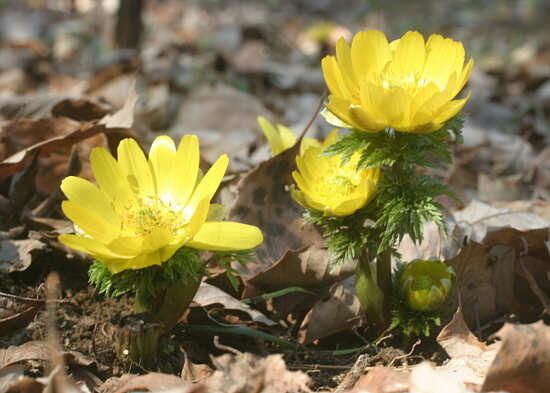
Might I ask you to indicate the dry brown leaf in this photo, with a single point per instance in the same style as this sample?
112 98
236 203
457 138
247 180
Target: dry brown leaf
538 207
247 373
26 385
152 382
9 375
382 380
17 321
470 358
425 378
224 119
80 109
38 350
457 339
478 219
310 266
54 137
475 222
485 277
264 201
339 312
208 295
16 255
522 365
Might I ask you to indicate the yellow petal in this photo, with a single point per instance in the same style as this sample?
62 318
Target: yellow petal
139 262
370 53
90 222
443 58
302 182
156 239
340 108
451 109
84 193
331 138
110 178
349 206
226 236
186 168
127 246
209 184
409 56
364 121
89 246
288 138
466 72
195 223
307 143
343 57
272 136
333 120
304 167
162 157
197 219
333 77
133 164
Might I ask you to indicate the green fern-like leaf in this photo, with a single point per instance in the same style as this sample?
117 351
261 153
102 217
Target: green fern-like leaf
389 147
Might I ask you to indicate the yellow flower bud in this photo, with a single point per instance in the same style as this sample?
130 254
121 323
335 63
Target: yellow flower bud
426 284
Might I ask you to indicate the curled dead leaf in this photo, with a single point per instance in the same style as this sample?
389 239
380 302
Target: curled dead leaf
522 365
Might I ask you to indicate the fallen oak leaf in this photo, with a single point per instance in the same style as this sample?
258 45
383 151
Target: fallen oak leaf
39 350
263 201
16 255
249 373
17 321
209 295
341 311
522 364
153 382
73 132
470 358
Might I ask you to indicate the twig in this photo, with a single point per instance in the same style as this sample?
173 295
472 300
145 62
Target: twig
317 110
30 300
306 366
405 355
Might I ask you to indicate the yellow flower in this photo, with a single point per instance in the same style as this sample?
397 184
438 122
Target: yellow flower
281 138
327 186
144 210
408 85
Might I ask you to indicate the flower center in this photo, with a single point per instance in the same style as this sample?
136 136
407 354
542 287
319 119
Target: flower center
421 282
336 184
146 214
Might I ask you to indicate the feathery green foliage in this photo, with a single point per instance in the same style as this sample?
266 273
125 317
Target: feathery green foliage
345 237
184 266
389 147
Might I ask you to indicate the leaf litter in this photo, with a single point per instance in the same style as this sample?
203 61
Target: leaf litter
60 99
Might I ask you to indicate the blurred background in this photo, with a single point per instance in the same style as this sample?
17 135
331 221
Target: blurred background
212 66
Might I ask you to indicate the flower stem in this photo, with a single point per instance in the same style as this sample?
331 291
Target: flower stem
383 277
169 304
139 341
369 293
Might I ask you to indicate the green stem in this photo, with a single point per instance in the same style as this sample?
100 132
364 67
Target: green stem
369 293
138 341
383 276
169 305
